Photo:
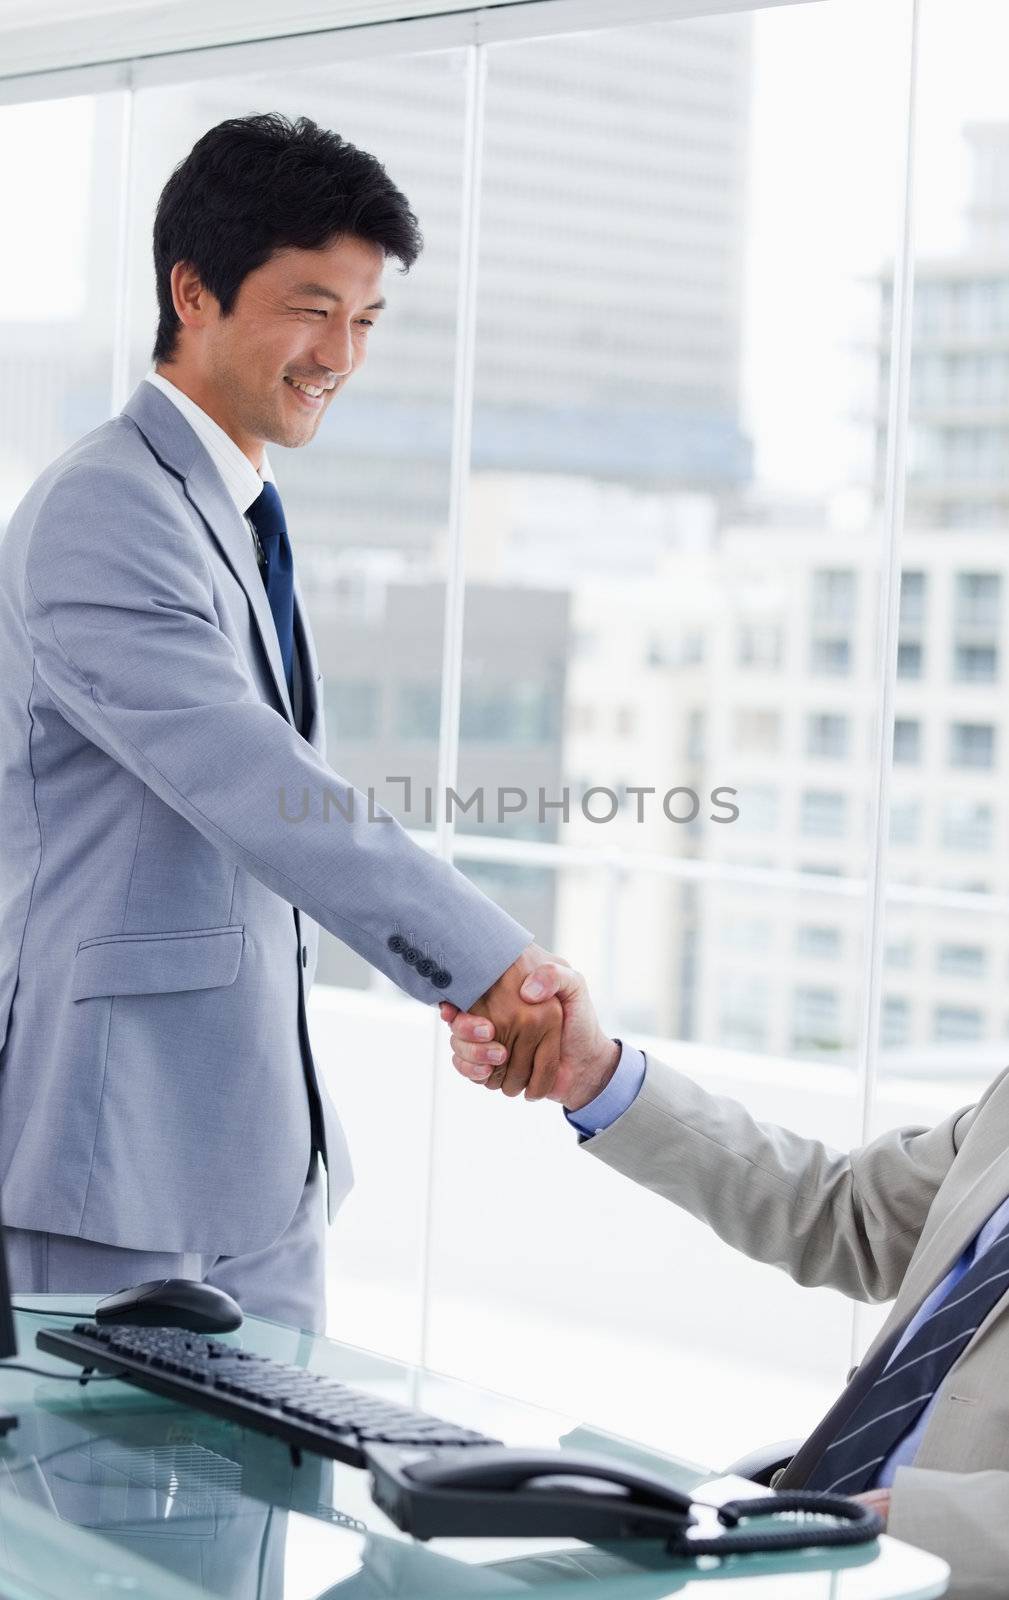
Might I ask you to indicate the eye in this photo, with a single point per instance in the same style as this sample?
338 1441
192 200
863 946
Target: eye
312 311
366 322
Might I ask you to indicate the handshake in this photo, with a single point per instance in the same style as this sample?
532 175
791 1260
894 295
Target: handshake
535 1029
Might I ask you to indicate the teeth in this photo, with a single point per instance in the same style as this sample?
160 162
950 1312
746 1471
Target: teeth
308 388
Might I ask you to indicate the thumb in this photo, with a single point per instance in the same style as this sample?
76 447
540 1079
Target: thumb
548 979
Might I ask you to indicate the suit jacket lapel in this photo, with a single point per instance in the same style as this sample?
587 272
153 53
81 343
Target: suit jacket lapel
177 446
940 1246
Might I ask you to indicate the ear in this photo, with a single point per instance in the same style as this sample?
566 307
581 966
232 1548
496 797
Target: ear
191 300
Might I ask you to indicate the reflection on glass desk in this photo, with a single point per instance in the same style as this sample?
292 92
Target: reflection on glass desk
108 1491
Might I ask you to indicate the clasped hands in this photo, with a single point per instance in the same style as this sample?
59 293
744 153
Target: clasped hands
534 1030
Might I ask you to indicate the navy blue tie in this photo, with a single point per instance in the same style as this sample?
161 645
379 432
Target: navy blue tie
900 1394
267 515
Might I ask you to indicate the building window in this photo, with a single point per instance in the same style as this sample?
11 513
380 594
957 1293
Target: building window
827 735
962 960
905 821
758 809
899 953
967 825
817 942
824 814
907 741
978 600
758 731
759 645
895 1021
957 1024
972 744
912 599
834 596
742 1012
910 659
695 736
975 663
830 658
816 1019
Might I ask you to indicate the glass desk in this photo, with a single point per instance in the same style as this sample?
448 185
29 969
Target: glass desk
108 1492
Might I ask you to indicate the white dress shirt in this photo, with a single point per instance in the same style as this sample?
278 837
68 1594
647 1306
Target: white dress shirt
242 481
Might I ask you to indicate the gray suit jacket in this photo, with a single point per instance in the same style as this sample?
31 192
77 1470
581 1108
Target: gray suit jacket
884 1222
155 1071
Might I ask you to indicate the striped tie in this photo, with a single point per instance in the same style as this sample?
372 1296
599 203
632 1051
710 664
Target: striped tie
900 1394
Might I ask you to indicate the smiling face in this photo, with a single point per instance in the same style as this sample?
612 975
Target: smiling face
297 331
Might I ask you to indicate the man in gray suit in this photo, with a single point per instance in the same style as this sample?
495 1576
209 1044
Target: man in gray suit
920 1216
173 835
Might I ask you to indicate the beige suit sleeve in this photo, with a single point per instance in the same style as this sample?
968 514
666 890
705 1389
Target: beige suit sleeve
847 1221
962 1517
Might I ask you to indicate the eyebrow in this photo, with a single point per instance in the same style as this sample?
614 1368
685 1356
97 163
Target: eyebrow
328 294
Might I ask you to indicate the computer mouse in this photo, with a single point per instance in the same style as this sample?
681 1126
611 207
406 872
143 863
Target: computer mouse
172 1303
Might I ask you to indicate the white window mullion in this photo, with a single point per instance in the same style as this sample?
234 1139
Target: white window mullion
889 617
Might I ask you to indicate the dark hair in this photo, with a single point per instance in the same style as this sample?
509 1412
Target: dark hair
255 185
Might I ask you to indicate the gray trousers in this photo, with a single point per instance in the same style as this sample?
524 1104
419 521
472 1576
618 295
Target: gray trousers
285 1280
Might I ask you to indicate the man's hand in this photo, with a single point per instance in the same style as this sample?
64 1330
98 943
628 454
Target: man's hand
877 1500
529 1036
585 1059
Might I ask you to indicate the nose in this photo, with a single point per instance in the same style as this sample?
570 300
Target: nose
334 348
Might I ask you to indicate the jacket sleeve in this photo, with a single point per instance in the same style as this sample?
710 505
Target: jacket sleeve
848 1221
119 606
963 1517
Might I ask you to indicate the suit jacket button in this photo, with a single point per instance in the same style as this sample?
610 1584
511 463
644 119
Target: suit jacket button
304 955
397 944
411 955
441 979
425 967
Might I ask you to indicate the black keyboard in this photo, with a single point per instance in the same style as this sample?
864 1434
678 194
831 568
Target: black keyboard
305 1409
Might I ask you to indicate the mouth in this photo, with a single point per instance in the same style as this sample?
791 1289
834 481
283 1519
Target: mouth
311 395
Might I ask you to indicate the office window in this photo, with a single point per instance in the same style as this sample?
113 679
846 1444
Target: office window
972 744
957 1024
910 659
355 709
757 732
895 1022
906 741
967 825
962 960
824 814
509 713
975 663
830 658
827 735
418 712
816 1019
817 942
742 1017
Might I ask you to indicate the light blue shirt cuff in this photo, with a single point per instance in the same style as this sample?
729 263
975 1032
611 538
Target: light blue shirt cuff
614 1100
